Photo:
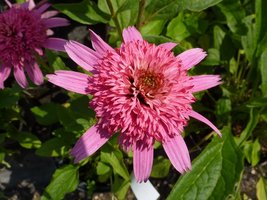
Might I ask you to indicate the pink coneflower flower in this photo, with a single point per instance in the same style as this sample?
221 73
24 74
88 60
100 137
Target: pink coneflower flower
24 31
140 90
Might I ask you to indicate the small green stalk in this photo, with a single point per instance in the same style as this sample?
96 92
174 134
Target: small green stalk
114 18
140 13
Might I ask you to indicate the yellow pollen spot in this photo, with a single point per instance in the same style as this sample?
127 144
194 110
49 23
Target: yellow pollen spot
149 82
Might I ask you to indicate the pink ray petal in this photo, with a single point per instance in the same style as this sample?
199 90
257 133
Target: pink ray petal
49 14
20 76
35 73
177 152
131 34
168 45
70 80
27 5
4 73
87 50
49 32
99 45
204 120
23 5
43 8
55 44
89 143
204 82
31 4
39 51
82 55
8 3
191 57
56 22
142 161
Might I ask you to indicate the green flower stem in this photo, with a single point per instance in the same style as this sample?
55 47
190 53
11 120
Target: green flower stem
140 13
114 18
197 146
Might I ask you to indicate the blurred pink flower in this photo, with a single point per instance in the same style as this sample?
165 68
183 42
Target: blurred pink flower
24 31
142 91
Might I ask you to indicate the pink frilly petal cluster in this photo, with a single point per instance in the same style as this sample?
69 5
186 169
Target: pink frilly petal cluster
24 32
140 90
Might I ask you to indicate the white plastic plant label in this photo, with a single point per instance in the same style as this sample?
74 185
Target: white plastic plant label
144 191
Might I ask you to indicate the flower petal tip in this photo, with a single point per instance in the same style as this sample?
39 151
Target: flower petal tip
204 82
100 46
73 154
143 161
201 118
131 34
219 134
191 57
178 153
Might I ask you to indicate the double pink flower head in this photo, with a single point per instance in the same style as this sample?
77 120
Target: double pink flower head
140 90
24 31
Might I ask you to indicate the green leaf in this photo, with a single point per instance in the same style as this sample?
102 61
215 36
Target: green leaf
214 172
261 189
68 120
256 147
58 64
54 61
262 46
234 14
253 121
65 180
85 12
126 11
115 159
162 9
252 152
26 140
218 35
176 29
120 187
161 167
199 5
223 42
257 102
8 97
127 5
79 108
46 114
213 57
102 168
153 28
261 19
248 41
53 148
103 171
2 157
233 66
157 39
263 69
223 109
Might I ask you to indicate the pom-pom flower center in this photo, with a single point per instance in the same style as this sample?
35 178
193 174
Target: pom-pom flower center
148 82
22 31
